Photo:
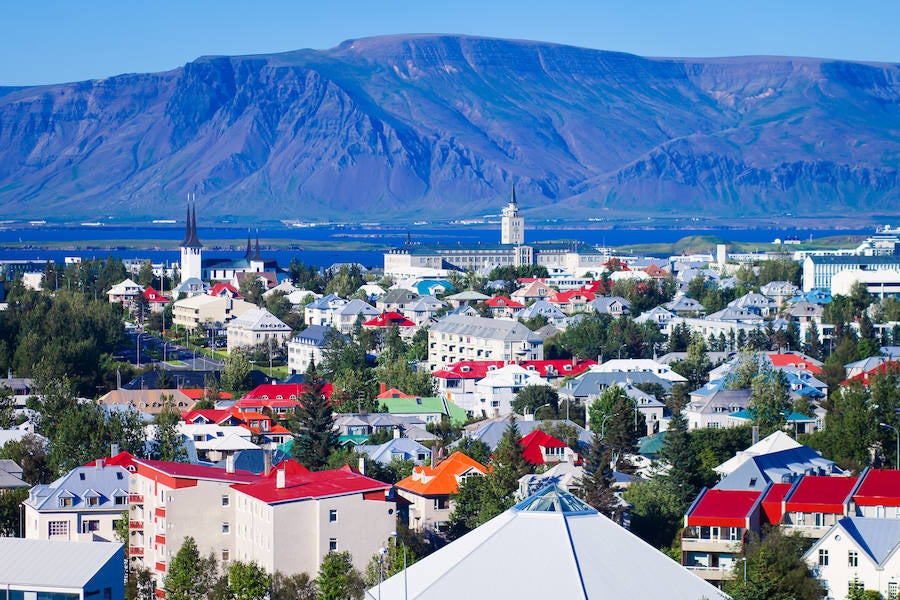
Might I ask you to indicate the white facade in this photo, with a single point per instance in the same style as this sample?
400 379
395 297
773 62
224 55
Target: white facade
496 391
512 226
257 327
191 312
458 337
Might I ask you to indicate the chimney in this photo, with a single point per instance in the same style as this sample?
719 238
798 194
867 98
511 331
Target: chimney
396 432
279 479
113 449
382 388
98 463
229 463
361 465
267 463
755 434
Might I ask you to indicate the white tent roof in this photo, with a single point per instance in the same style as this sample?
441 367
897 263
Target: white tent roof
67 564
551 545
775 442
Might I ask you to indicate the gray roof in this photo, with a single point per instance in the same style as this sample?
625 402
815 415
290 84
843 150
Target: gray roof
384 453
357 306
314 335
491 433
603 303
855 260
593 383
398 296
784 466
105 482
324 303
497 329
26 562
543 308
425 303
879 538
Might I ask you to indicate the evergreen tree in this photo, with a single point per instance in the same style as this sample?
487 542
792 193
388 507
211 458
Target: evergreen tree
508 464
185 579
595 485
236 376
167 440
683 477
696 365
769 399
775 570
316 438
337 579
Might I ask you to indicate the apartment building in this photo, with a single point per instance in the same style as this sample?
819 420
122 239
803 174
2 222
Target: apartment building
458 337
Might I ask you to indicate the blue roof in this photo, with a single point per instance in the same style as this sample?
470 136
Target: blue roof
877 537
106 483
784 466
386 452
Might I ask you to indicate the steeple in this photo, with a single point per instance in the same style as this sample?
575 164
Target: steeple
512 199
190 230
187 228
257 255
249 253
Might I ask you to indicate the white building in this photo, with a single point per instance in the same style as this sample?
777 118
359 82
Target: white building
85 504
819 270
639 365
308 346
255 328
191 249
195 310
458 337
512 225
496 391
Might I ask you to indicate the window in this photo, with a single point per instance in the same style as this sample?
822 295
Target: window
93 501
121 500
823 557
66 501
852 558
332 516
90 526
226 555
332 544
57 528
225 501
441 503
226 527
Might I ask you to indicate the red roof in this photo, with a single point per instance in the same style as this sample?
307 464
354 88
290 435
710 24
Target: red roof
723 508
890 366
270 394
189 471
302 484
771 503
388 319
879 488
820 494
393 393
655 272
534 442
570 295
224 289
478 369
153 296
503 302
206 415
793 359
122 459
199 393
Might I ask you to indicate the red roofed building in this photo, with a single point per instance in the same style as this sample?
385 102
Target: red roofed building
714 530
773 502
268 433
796 360
210 417
541 448
572 301
890 366
279 398
293 517
815 503
501 306
878 494
224 290
155 300
430 490
655 272
388 319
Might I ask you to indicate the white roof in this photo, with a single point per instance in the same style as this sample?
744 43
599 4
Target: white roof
637 365
53 564
258 319
551 545
775 442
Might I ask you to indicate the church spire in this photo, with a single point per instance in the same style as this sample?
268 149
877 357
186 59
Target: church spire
257 255
512 199
249 253
190 230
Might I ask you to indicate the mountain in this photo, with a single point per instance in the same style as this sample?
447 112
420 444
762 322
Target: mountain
441 126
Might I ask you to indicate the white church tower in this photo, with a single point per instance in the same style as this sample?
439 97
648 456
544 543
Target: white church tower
512 226
191 249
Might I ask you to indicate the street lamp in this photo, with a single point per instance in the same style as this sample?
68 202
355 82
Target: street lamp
138 341
897 455
744 560
394 534
603 424
534 412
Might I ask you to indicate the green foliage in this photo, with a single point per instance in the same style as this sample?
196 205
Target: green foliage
236 375
392 561
299 586
474 504
779 269
186 577
140 585
475 449
346 281
683 478
533 397
10 500
775 570
656 513
30 454
315 437
248 581
615 415
595 485
337 579
769 399
168 444
508 463
849 428
696 365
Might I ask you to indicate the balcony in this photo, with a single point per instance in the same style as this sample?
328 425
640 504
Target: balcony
135 524
161 567
136 498
136 551
160 539
160 512
160 593
712 573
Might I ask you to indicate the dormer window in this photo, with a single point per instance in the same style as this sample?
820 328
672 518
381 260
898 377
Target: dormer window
66 501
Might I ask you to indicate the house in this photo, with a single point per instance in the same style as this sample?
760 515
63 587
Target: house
818 271
396 300
156 301
424 309
858 551
277 398
774 442
542 308
710 407
427 409
308 347
540 448
430 490
466 298
344 318
796 422
10 475
225 290
533 291
495 392
639 365
815 503
456 337
321 310
581 554
878 495
491 431
714 531
41 569
85 504
758 304
357 427
783 466
257 327
502 307
125 293
611 305
572 301
193 311
213 443
148 401
779 291
684 306
398 448
390 319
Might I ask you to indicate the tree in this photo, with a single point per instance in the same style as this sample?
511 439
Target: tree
126 428
775 569
9 511
596 482
508 464
140 585
299 586
236 376
388 563
248 581
30 454
337 579
683 476
316 438
533 397
615 414
696 365
167 440
475 449
185 579
769 399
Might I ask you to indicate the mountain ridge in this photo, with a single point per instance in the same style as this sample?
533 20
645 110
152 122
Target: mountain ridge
404 127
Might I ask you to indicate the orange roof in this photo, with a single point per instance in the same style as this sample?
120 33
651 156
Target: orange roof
393 393
440 480
198 393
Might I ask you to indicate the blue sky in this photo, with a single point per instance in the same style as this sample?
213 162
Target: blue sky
48 41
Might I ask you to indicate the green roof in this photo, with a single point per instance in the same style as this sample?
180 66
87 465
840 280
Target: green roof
651 444
423 405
